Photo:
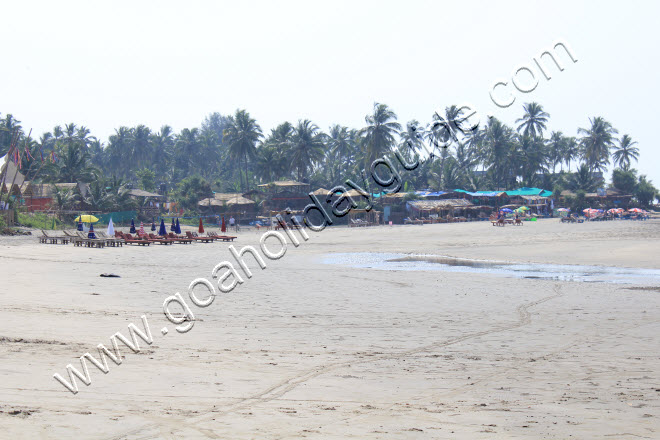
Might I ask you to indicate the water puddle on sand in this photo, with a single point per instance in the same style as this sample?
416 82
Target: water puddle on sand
561 272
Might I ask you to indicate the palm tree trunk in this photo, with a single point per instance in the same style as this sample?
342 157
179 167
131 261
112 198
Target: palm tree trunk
247 183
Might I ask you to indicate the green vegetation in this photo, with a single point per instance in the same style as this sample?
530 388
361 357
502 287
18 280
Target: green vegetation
38 220
230 153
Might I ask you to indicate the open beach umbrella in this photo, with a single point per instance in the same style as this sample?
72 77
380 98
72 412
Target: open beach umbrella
111 228
91 233
178 227
86 218
132 230
153 224
564 210
635 210
223 228
141 228
506 210
162 230
201 226
173 227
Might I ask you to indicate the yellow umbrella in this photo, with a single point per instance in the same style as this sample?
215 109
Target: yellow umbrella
86 218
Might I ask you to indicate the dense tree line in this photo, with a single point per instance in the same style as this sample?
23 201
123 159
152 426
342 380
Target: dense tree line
231 153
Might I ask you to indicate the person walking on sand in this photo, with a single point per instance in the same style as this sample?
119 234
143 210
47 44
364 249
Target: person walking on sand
231 222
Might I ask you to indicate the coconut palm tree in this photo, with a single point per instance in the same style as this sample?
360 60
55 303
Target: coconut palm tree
571 151
142 149
63 199
272 163
163 147
186 149
307 148
625 152
499 152
379 135
411 139
443 129
72 165
584 179
8 128
83 135
555 153
118 152
596 143
533 121
241 136
341 143
531 157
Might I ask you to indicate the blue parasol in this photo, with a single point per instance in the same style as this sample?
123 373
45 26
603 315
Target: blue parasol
162 231
91 233
80 227
153 224
173 227
178 227
132 230
506 210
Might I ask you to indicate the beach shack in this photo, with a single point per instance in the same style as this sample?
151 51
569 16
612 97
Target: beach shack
148 202
38 197
285 194
439 211
229 205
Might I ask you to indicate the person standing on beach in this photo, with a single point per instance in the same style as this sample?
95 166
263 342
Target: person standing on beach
231 222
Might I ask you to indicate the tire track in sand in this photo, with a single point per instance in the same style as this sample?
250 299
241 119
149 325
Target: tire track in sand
285 386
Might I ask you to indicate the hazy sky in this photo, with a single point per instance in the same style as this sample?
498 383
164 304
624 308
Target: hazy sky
155 63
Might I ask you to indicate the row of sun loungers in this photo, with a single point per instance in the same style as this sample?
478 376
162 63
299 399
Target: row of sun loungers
80 238
352 223
507 221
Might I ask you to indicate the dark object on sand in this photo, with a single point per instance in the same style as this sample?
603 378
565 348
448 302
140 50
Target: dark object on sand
109 275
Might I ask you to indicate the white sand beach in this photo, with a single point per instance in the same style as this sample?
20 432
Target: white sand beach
305 349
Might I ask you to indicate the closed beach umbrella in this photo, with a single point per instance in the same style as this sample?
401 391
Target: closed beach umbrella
91 233
141 228
162 230
223 228
132 230
111 228
201 226
178 227
79 227
173 227
153 224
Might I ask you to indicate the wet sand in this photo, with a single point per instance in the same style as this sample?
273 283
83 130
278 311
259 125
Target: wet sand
310 350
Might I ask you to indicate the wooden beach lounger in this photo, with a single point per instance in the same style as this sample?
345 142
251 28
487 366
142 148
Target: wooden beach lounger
128 238
45 238
221 237
202 239
110 241
153 238
178 239
89 242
